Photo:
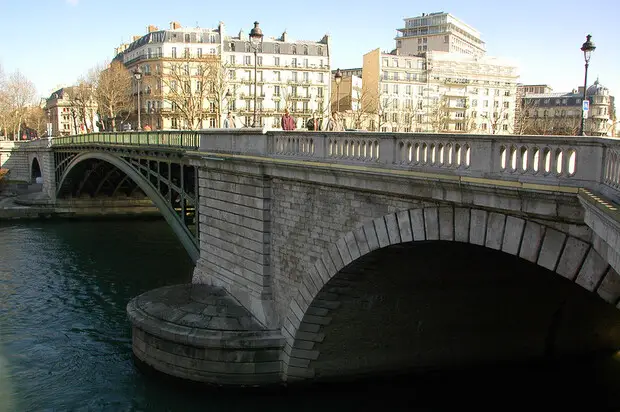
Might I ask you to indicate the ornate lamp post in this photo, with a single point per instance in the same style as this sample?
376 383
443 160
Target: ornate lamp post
256 38
338 79
587 48
137 74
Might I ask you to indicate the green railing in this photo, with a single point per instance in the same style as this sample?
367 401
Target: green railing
186 140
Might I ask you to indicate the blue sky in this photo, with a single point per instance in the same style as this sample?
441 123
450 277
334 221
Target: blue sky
53 42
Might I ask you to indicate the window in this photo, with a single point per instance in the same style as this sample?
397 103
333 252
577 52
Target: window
276 90
306 50
445 39
321 79
386 63
294 62
174 52
232 46
294 76
232 60
294 49
395 89
186 52
395 117
474 103
247 46
276 49
409 64
320 51
505 127
199 52
259 60
396 76
506 105
277 76
395 62
507 93
306 77
385 88
420 104
187 38
408 89
276 61
247 60
306 63
486 103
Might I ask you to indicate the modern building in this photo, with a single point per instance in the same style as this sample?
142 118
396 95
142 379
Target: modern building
560 113
439 92
193 76
438 32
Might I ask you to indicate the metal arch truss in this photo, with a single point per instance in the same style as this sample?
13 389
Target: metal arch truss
164 175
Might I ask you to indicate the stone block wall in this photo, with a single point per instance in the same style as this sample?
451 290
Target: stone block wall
14 159
235 226
307 218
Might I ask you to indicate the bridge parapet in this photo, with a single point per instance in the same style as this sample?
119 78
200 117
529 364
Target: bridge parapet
593 163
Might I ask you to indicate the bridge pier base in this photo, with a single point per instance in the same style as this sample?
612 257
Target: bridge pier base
201 333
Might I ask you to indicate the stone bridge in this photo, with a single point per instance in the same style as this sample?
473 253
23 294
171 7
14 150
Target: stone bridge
326 255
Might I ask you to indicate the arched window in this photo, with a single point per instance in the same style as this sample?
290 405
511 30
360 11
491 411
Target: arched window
306 50
276 48
320 51
232 46
294 49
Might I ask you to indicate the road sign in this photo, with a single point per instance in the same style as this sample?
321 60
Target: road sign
586 105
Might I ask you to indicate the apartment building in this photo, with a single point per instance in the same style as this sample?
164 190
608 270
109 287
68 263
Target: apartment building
193 76
346 96
68 115
544 112
290 74
438 32
438 92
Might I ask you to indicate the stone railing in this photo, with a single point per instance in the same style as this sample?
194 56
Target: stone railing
544 160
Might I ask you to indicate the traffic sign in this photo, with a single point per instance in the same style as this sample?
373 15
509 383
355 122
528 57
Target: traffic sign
586 105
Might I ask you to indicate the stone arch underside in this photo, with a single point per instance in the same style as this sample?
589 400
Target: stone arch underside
568 256
35 169
179 228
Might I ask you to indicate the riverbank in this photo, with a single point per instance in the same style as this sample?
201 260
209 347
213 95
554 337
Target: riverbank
27 201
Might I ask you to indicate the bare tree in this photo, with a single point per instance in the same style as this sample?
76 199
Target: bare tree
20 94
82 100
36 119
190 84
438 116
113 92
218 81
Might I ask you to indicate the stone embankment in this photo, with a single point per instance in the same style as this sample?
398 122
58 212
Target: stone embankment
23 201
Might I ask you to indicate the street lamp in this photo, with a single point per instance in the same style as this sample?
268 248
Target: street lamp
256 38
587 48
338 79
137 74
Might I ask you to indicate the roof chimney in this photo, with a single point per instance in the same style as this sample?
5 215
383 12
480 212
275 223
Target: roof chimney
151 28
175 25
284 37
134 38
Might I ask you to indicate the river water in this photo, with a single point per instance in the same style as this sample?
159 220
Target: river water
65 342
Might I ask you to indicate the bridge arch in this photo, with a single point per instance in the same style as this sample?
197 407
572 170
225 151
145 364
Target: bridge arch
564 254
35 169
182 232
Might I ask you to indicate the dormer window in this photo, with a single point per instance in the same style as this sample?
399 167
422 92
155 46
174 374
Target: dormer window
232 46
294 49
306 50
276 48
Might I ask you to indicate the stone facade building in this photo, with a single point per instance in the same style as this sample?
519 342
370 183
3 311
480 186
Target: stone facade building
194 76
545 112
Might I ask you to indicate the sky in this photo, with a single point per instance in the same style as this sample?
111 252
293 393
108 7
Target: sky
54 42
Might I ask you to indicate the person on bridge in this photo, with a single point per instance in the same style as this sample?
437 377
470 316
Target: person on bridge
229 121
288 123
